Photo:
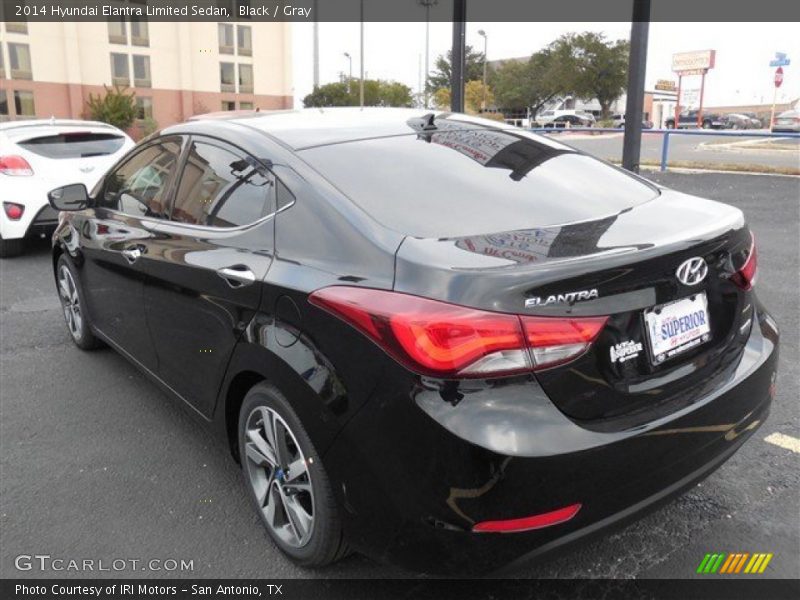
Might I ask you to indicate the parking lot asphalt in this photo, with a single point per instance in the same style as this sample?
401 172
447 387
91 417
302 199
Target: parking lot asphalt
708 150
95 462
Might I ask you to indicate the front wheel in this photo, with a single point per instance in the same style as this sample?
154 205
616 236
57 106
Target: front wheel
74 307
286 480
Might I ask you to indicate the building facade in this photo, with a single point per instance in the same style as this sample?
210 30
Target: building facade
176 69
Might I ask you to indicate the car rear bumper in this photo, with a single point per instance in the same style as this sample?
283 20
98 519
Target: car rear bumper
412 489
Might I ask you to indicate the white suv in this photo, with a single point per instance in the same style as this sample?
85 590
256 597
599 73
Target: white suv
37 156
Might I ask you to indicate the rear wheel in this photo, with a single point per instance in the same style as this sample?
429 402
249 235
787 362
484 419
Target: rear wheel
286 480
10 248
73 305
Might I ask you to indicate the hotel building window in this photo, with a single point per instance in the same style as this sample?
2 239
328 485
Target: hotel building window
246 105
228 105
144 108
19 59
140 33
23 104
120 74
3 105
141 71
225 38
117 32
227 77
245 79
244 40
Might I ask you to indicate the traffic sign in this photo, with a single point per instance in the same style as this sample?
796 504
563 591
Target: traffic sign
778 77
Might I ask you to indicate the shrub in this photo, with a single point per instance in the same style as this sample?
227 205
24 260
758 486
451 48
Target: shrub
117 107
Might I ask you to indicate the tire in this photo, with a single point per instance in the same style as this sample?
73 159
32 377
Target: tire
297 509
706 124
670 124
10 248
74 306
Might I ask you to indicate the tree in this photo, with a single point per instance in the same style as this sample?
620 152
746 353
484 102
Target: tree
443 68
473 97
377 92
593 67
117 107
522 85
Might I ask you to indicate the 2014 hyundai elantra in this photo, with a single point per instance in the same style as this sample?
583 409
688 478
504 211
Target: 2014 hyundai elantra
437 340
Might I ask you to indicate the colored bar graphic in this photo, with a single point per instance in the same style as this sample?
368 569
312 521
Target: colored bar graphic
733 563
718 562
703 563
727 565
765 563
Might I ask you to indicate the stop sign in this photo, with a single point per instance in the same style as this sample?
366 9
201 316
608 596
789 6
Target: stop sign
778 77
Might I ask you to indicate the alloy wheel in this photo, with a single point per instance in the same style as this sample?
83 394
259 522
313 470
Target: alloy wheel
70 301
278 474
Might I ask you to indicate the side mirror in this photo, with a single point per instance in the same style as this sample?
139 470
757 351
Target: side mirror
69 197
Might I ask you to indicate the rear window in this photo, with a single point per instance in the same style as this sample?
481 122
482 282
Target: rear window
461 182
74 145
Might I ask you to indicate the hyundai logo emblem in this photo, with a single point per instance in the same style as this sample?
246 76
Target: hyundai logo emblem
692 271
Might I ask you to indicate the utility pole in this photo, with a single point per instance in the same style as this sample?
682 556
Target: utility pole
457 56
427 4
634 106
350 77
485 37
361 83
316 46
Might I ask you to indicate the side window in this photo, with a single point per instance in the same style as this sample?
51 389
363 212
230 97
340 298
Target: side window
139 186
220 188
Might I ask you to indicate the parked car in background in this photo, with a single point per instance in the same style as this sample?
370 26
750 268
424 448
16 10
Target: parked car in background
688 120
619 121
548 118
755 122
576 120
738 121
511 350
788 121
38 155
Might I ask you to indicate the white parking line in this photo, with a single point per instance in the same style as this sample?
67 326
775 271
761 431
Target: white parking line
784 441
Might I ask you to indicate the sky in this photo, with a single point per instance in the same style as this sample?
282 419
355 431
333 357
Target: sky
396 51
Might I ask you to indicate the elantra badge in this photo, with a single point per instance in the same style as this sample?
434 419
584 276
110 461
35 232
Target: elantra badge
568 298
692 271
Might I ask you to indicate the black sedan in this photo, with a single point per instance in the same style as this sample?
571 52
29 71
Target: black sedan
440 341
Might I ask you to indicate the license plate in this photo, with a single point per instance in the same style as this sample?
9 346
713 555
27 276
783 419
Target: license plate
678 326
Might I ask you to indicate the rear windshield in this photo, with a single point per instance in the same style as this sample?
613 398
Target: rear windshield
459 182
74 145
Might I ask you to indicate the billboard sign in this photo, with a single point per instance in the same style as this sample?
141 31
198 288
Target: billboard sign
699 60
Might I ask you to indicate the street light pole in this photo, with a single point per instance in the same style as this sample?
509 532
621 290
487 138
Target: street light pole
458 51
361 83
485 37
350 77
637 63
427 4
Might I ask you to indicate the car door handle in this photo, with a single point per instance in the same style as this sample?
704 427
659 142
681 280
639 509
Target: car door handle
132 254
237 276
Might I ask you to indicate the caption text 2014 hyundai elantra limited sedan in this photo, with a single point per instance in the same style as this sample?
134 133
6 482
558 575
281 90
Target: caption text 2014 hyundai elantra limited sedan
437 340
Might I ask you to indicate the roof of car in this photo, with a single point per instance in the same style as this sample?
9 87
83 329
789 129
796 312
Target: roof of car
311 127
22 124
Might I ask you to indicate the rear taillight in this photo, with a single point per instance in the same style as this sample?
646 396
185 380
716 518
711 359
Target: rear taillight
745 277
13 211
16 166
445 340
554 341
